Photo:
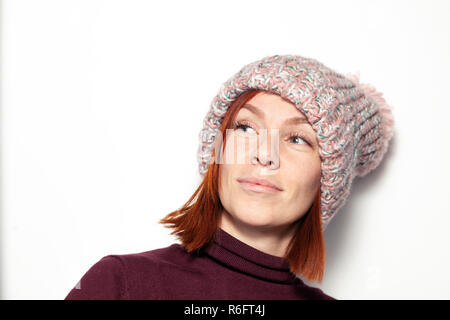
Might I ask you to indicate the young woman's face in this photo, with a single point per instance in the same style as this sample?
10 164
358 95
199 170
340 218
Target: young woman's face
295 168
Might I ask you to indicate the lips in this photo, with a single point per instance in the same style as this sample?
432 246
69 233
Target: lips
266 184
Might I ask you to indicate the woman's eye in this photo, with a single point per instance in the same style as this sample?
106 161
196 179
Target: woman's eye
242 126
295 137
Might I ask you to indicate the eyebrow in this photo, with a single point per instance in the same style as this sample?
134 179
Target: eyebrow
259 113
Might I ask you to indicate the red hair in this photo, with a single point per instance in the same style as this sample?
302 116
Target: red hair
196 222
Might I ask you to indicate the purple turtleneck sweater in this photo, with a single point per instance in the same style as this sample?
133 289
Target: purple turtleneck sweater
227 269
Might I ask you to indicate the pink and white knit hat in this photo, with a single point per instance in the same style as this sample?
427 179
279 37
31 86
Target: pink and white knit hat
352 121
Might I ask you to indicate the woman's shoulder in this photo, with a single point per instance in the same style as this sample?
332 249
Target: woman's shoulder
170 255
313 293
112 275
159 252
318 294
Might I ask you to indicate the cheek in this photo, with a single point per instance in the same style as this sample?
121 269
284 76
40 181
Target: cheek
303 175
225 181
223 177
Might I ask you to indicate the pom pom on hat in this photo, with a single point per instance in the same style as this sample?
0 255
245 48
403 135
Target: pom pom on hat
387 122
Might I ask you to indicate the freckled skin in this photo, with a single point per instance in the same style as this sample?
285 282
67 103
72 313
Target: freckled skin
266 220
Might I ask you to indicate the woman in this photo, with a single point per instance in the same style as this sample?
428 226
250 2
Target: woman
256 224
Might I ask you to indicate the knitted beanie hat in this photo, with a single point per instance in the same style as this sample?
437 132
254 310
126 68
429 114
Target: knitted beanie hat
352 121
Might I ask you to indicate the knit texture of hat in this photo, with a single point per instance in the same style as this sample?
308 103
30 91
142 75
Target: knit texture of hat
352 121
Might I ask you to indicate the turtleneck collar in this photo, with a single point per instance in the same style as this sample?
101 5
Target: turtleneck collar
241 256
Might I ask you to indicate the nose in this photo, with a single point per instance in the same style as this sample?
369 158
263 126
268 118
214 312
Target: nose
267 153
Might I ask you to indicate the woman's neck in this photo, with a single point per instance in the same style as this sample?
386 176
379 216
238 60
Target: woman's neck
273 241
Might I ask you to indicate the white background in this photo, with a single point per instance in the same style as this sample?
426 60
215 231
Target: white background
103 101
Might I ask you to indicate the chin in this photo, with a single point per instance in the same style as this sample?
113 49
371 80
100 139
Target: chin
255 220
